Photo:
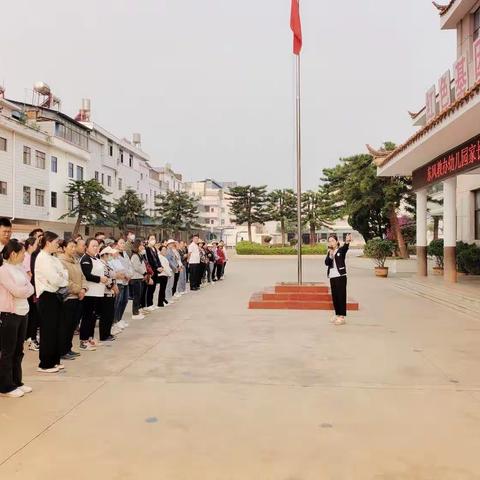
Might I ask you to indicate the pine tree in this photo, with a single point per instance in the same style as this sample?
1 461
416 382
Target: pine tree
128 210
314 212
281 206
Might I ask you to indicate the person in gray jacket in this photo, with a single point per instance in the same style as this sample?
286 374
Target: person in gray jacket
175 265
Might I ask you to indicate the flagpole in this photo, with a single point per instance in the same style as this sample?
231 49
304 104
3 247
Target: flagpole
298 137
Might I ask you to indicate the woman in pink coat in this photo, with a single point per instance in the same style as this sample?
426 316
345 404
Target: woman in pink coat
15 288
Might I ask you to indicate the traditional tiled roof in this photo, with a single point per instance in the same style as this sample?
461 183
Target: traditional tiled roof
469 95
443 9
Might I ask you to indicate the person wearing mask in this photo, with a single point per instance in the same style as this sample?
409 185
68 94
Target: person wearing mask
183 255
139 276
154 262
211 262
107 307
165 273
225 253
173 261
337 274
31 245
215 258
15 288
72 307
129 242
123 268
51 280
220 261
94 271
5 234
203 261
194 264
179 289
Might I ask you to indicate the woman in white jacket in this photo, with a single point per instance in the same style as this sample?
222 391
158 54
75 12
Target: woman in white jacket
165 272
50 282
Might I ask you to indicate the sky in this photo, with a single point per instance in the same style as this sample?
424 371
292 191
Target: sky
210 83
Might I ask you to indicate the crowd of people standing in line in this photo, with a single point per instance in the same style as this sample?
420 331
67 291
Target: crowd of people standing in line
51 289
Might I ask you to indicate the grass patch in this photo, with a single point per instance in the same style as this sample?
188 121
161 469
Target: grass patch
251 248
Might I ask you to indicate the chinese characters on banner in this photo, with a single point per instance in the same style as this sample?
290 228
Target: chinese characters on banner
444 91
431 104
476 61
460 70
460 159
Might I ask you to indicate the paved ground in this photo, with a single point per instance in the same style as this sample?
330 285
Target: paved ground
207 390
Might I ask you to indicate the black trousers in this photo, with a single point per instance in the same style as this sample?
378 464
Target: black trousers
162 280
339 295
32 327
175 282
143 295
50 310
12 335
151 291
195 275
219 271
72 312
104 307
135 287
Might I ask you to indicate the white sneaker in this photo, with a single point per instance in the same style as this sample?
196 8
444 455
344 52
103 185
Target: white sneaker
48 370
144 311
116 330
17 393
177 295
60 366
138 317
25 389
87 346
151 308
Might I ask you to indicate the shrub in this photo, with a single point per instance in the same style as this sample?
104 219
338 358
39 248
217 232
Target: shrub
379 250
461 248
468 259
435 249
251 248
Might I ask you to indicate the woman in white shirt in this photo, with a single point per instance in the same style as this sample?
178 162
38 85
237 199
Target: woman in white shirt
15 288
51 280
165 272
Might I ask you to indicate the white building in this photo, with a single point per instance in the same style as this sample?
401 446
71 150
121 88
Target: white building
446 147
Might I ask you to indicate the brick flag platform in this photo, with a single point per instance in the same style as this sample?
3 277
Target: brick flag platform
290 296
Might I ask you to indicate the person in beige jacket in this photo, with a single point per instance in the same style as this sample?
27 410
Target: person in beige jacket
77 287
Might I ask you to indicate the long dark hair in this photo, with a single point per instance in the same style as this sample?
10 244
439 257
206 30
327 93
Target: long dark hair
29 242
335 237
13 246
47 237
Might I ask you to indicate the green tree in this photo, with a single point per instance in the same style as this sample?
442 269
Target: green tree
314 212
128 210
177 211
281 207
88 203
249 205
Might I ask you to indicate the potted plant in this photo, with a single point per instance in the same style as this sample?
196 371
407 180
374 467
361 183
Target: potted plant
435 249
379 250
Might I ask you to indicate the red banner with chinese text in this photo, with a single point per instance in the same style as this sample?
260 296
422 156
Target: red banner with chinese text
459 160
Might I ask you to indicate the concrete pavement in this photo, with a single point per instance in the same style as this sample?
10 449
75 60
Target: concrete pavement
208 390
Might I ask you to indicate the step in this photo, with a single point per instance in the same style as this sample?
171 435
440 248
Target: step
305 288
300 296
258 303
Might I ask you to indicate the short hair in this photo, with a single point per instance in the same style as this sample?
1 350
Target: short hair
89 241
47 237
5 222
12 246
35 231
63 243
136 246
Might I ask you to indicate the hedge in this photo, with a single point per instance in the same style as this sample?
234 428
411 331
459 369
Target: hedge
250 248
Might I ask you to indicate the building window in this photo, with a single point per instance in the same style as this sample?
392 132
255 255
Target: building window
121 156
477 215
39 159
79 173
3 188
39 197
110 148
103 178
27 155
96 176
120 184
3 144
109 180
27 195
212 210
130 161
70 170
54 164
476 24
53 199
70 203
212 222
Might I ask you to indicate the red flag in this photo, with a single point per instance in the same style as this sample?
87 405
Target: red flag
296 26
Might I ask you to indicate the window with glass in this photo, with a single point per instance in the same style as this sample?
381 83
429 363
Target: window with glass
54 164
27 195
40 159
96 176
79 173
39 197
121 156
73 134
70 204
476 24
3 188
27 155
3 144
70 170
103 178
110 148
53 199
477 215
120 184
130 160
109 180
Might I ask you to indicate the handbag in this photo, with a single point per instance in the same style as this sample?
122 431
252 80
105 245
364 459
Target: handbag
62 293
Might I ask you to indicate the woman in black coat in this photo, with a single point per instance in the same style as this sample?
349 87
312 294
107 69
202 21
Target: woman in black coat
337 273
